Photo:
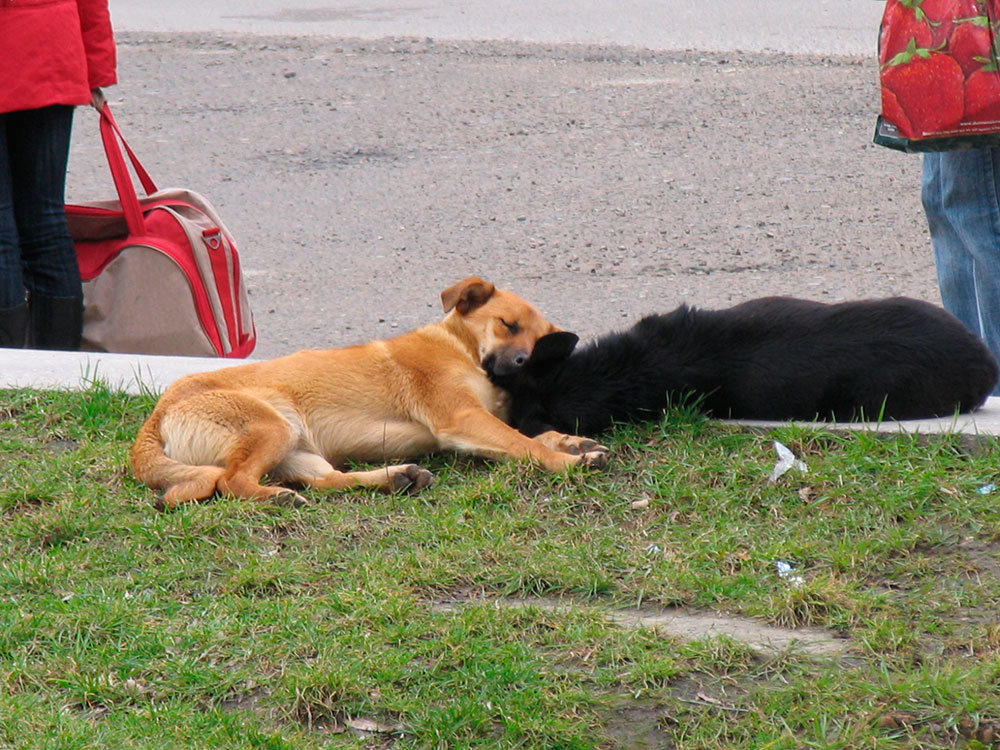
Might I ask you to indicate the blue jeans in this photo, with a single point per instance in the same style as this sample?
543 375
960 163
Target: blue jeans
36 252
961 197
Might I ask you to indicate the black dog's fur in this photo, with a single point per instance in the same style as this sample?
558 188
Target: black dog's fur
773 358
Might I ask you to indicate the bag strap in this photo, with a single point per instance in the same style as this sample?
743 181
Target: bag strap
111 136
147 182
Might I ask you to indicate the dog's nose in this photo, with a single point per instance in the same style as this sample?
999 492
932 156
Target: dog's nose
507 362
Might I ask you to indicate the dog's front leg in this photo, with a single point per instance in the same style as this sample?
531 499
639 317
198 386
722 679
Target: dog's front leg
475 430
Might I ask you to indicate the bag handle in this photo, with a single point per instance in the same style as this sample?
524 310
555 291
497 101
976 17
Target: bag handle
111 136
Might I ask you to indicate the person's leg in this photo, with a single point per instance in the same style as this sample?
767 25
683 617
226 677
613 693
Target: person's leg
13 311
961 198
987 250
39 151
954 262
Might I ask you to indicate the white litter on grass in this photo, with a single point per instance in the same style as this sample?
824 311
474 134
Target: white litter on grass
786 461
987 489
786 571
370 726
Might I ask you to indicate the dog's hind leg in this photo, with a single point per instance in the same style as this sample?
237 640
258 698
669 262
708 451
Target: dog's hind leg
408 478
313 470
190 478
224 441
199 485
255 452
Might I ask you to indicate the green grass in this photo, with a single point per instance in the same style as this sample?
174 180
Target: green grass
238 625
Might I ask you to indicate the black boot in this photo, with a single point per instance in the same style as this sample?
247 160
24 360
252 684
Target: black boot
13 326
55 322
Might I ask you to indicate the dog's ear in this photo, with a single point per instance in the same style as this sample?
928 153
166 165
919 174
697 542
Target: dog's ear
466 295
553 347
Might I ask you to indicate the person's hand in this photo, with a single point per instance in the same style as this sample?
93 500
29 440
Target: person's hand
97 99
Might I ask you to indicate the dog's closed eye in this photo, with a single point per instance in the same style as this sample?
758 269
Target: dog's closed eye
511 327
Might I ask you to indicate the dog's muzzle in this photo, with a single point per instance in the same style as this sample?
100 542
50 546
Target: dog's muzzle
505 361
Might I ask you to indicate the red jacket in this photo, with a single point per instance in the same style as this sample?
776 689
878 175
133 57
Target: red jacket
54 52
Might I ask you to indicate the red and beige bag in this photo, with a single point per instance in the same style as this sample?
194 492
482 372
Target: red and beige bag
161 273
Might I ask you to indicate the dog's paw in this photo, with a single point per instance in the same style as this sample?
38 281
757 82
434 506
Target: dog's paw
596 459
575 445
586 445
289 499
411 479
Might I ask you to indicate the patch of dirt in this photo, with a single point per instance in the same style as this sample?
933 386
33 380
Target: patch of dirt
637 724
647 722
978 558
690 625
250 701
57 446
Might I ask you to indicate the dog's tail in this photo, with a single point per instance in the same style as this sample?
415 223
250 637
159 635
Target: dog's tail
152 466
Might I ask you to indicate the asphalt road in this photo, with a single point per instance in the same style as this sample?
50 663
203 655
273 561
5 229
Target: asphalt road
361 177
817 27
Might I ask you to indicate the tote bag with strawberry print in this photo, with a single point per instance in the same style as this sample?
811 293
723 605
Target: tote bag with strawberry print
939 75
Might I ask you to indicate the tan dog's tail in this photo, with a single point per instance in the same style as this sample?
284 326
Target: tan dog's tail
155 468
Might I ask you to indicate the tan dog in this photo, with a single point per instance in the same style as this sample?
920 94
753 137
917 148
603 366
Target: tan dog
295 418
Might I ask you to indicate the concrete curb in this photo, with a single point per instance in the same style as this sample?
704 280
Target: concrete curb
132 373
983 422
135 373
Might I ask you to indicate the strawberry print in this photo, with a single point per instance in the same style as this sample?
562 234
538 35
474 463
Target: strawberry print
940 15
940 75
982 96
902 22
970 43
929 89
894 113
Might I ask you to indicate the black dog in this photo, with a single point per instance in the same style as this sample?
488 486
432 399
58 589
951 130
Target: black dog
773 358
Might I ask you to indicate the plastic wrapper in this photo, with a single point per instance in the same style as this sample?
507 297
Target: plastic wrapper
786 461
939 76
